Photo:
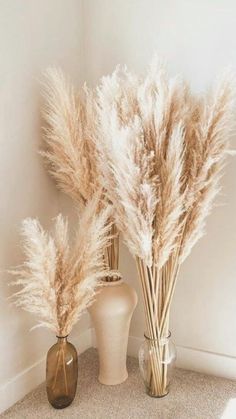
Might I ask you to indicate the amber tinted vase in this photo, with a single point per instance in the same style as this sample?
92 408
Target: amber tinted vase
61 373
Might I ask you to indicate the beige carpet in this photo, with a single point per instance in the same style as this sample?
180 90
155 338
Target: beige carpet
192 396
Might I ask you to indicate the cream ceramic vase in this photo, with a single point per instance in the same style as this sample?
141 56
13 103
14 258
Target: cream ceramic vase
111 315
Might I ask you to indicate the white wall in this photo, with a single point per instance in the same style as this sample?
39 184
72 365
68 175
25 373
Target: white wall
198 39
33 35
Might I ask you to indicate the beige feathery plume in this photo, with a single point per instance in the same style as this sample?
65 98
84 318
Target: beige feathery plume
69 120
59 281
70 136
143 169
207 150
163 108
127 183
119 142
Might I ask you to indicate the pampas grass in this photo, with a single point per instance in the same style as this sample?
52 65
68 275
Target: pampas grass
161 151
58 281
69 121
71 154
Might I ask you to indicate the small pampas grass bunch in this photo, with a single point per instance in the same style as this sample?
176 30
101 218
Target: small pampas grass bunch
58 281
71 154
162 150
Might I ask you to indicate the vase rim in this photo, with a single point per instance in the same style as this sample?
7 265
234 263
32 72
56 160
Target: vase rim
112 283
62 337
161 338
113 274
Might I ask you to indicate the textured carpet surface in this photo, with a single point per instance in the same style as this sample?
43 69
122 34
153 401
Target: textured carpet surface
192 396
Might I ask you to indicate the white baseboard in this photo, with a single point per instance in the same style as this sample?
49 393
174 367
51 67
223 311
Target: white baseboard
196 360
16 388
206 362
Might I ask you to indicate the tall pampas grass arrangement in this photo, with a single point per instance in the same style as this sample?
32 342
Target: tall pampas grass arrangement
162 150
71 154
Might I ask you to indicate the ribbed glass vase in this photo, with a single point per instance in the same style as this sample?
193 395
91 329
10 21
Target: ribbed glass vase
156 361
61 373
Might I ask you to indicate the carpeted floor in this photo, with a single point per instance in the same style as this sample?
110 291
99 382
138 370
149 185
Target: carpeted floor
192 396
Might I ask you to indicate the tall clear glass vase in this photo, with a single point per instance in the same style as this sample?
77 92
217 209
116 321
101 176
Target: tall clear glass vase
156 361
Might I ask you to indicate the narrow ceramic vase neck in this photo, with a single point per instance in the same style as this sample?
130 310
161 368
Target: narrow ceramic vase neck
112 279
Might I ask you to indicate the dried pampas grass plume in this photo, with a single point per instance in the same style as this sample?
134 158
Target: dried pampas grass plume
58 281
207 146
71 140
70 120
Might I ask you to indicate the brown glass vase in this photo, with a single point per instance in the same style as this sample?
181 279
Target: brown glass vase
61 373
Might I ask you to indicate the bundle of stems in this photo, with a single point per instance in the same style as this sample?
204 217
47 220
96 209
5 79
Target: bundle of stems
161 151
71 153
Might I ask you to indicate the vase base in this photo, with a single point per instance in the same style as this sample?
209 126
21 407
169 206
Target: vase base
156 396
112 382
61 402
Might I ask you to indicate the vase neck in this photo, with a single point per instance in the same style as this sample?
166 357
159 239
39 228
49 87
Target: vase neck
116 277
112 283
165 337
62 339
